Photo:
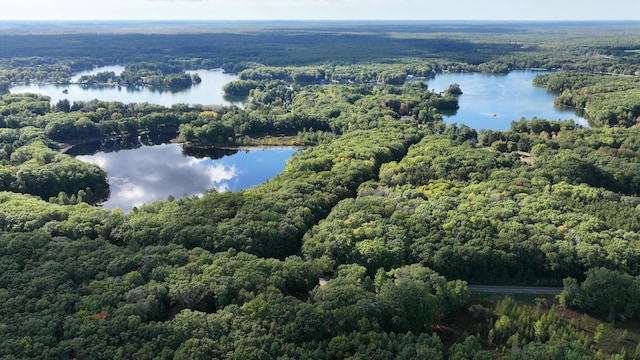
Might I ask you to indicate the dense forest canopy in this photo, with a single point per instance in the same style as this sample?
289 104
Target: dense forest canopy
365 245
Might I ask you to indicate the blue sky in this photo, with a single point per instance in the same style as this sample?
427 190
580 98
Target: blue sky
320 10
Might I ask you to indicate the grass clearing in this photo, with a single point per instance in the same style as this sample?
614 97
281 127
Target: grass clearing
608 338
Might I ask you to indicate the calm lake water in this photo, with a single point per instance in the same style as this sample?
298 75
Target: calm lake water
493 101
145 173
148 173
208 92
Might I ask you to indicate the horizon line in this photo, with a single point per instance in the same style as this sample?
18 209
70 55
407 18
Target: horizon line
321 20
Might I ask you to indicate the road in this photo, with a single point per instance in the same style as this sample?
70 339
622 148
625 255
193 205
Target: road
515 289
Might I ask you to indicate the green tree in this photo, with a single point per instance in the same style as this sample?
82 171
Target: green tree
597 293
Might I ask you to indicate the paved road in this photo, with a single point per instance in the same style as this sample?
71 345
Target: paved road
515 289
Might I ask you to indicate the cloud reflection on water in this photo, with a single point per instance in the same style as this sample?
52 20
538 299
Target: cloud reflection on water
150 173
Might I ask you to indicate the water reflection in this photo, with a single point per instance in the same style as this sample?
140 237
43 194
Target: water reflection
108 145
149 173
208 92
211 153
491 101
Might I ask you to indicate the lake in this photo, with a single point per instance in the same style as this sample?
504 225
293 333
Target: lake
489 101
208 92
492 101
148 173
141 172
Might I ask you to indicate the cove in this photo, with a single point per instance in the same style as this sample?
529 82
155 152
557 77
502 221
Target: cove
154 172
492 102
208 92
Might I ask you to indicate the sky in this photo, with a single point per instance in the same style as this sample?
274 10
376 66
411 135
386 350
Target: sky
320 10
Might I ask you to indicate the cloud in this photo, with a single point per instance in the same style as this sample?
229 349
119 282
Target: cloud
146 174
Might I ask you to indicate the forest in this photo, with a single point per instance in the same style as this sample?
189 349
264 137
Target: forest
367 244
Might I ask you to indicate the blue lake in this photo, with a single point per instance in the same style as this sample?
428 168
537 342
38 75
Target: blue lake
492 101
148 173
143 173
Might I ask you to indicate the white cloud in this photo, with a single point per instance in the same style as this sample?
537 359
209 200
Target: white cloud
215 172
126 194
